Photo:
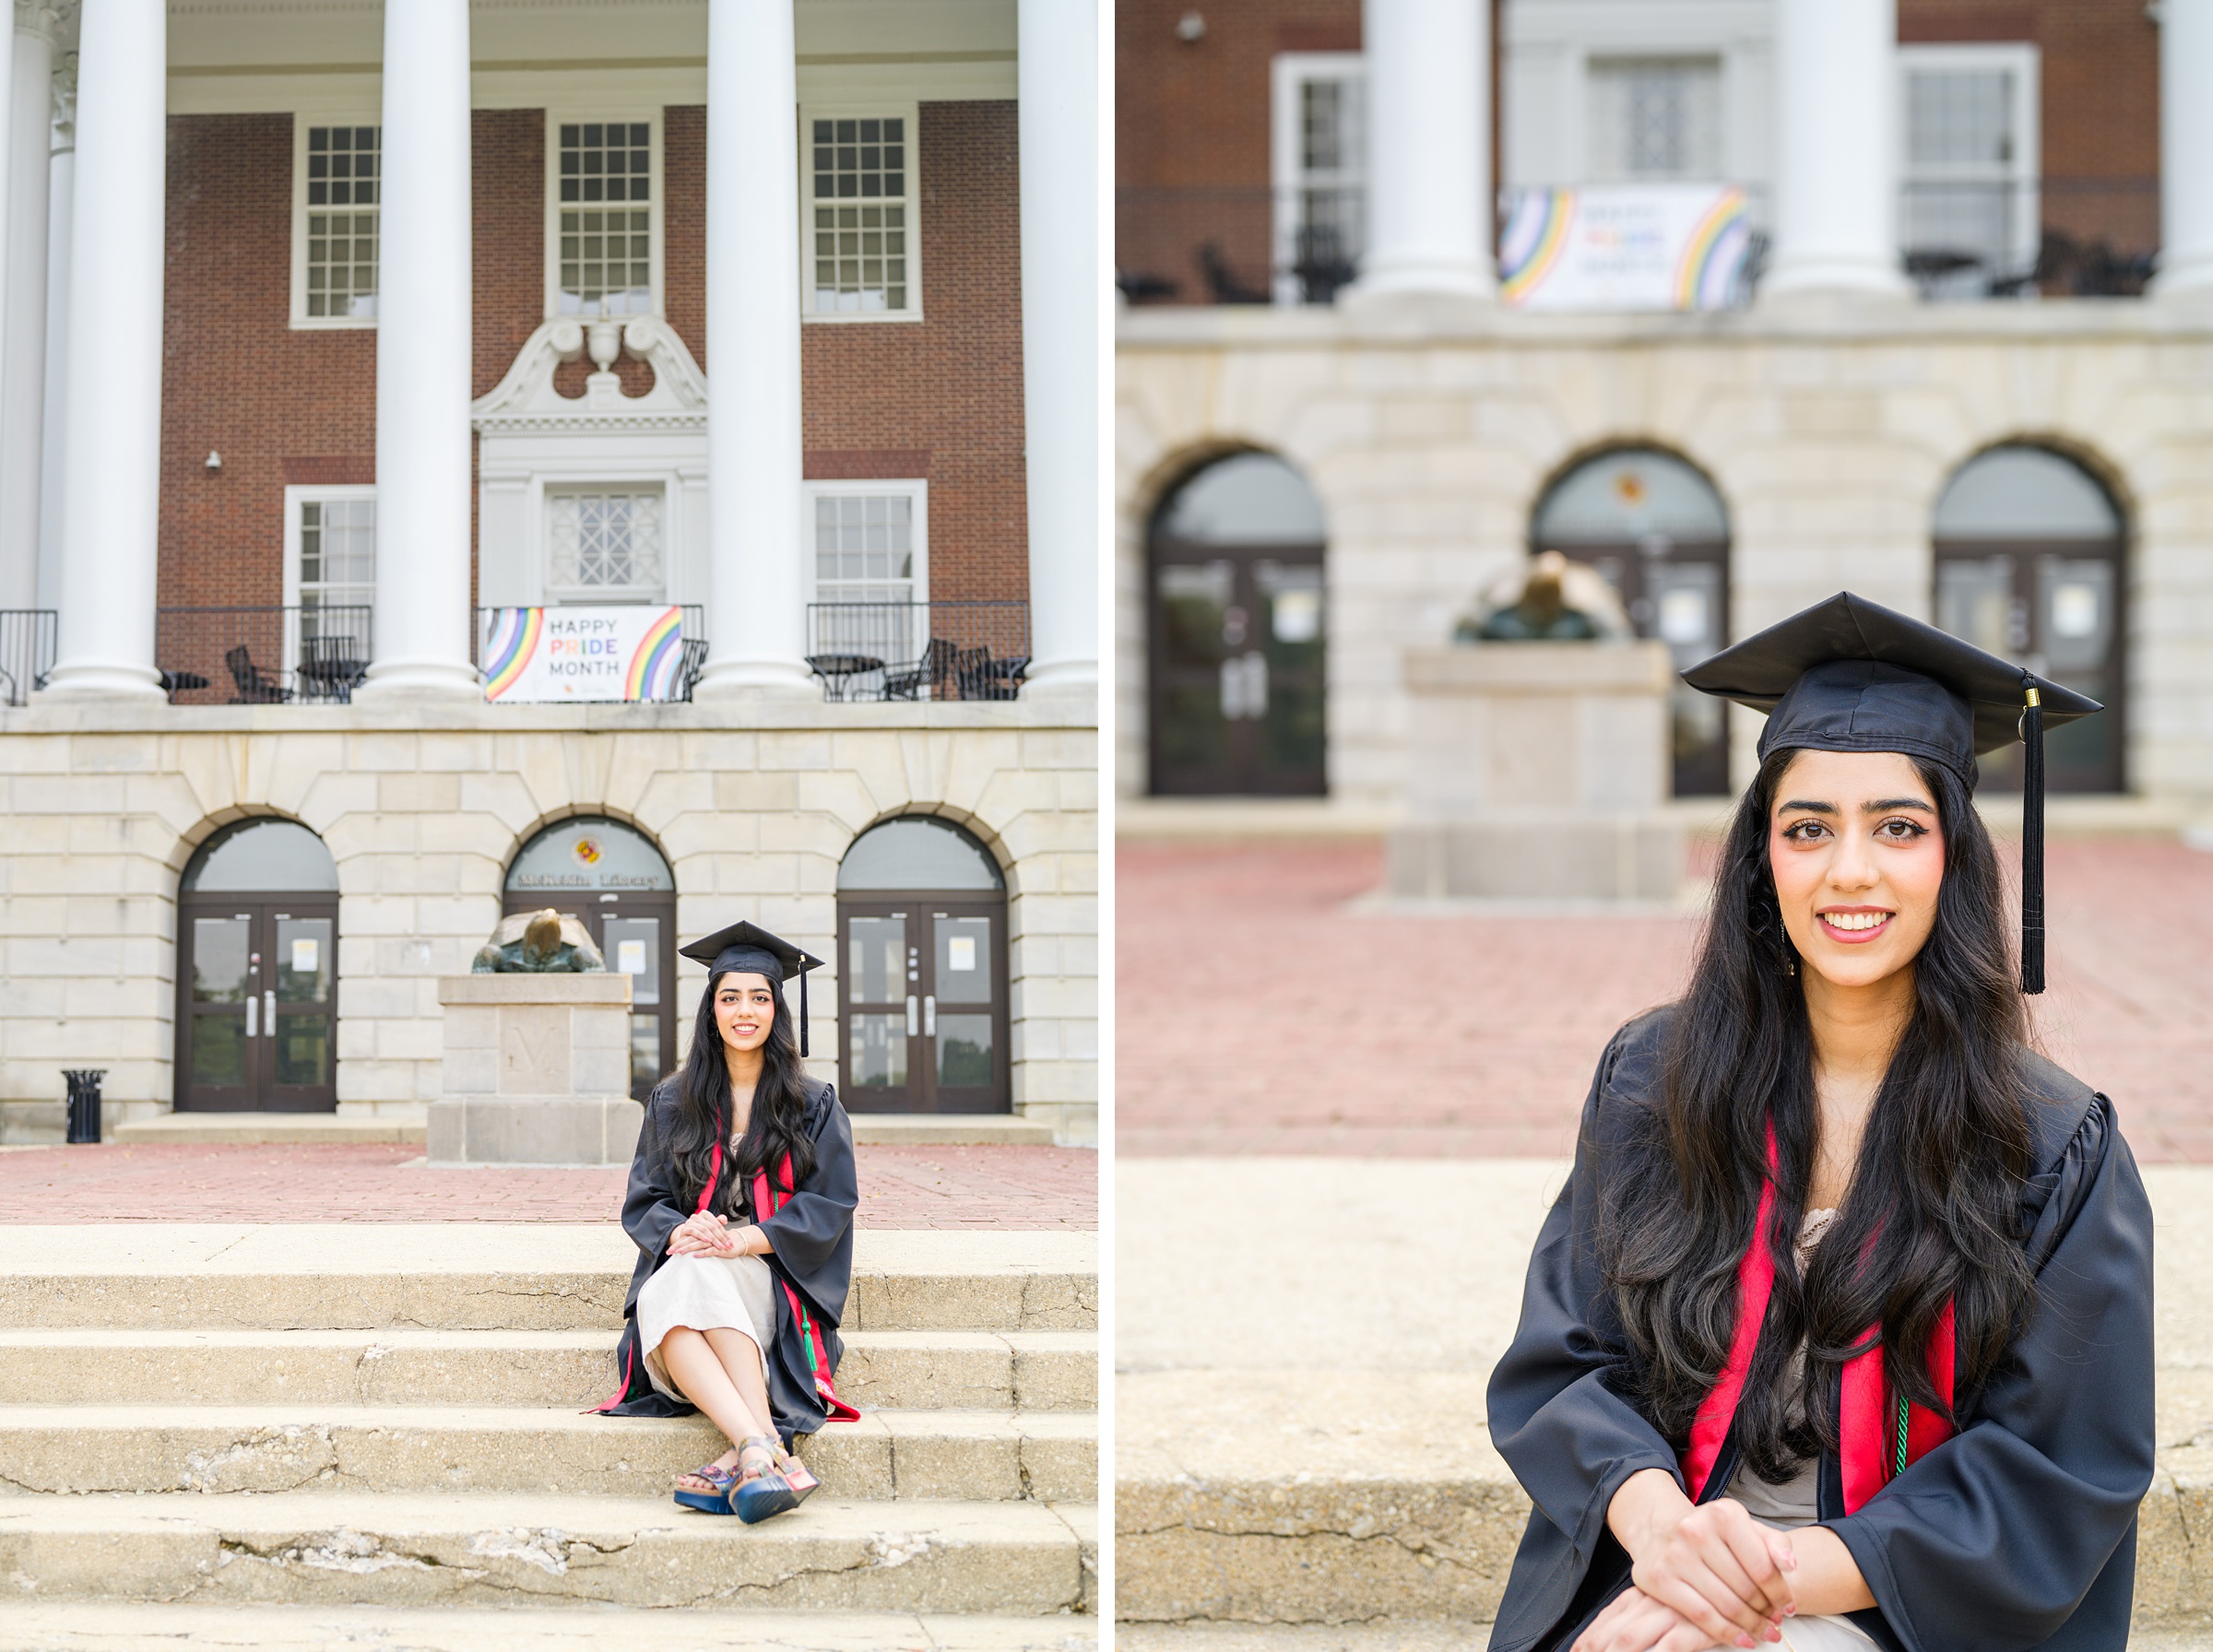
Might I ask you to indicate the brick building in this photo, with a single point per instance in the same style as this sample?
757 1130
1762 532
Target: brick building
337 331
1954 369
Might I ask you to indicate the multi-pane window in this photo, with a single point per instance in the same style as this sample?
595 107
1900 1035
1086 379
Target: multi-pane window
337 565
342 198
605 545
860 214
864 547
1318 149
1968 209
1655 119
606 217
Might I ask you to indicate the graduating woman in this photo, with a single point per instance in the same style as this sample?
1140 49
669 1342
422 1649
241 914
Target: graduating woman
742 1201
1840 1335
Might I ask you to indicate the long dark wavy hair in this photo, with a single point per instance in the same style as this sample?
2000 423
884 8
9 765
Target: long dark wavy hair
775 1127
1932 1211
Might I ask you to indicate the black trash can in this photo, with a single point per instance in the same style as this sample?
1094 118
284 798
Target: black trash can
84 1102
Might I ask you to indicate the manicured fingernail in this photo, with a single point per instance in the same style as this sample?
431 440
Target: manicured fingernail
1789 1612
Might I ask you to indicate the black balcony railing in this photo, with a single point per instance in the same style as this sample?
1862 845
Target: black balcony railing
694 660
310 654
876 651
27 643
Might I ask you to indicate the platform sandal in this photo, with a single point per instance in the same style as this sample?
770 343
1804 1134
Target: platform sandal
717 1501
784 1484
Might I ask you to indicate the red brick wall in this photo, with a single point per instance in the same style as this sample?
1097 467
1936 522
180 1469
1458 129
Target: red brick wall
1192 163
942 399
2100 105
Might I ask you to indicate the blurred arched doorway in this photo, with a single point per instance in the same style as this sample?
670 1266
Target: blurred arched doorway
1656 528
257 970
612 877
2028 565
1237 633
923 1007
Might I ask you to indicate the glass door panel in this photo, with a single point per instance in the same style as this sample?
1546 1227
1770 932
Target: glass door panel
301 1002
964 1013
221 976
883 1012
923 998
632 946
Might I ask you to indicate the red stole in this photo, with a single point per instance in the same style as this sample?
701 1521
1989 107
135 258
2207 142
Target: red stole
1869 1425
767 1201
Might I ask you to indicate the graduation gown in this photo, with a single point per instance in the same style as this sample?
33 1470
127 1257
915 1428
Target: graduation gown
2019 1533
810 1235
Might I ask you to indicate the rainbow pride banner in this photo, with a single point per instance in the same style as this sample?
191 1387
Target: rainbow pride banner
1628 246
539 655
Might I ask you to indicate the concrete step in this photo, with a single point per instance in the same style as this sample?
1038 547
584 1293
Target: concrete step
104 1626
1341 1497
495 1276
288 1128
1413 1635
305 1549
962 1454
913 1370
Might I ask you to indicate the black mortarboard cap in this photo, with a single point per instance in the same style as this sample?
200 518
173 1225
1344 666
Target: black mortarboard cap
1850 675
750 950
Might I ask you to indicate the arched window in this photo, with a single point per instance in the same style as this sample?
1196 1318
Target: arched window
922 984
1237 623
258 961
612 877
1656 528
2028 565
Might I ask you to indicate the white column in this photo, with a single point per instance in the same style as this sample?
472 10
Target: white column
1836 147
756 595
1428 107
111 442
1063 297
23 314
61 196
420 645
2185 147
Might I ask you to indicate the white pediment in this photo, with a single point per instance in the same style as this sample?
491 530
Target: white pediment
526 400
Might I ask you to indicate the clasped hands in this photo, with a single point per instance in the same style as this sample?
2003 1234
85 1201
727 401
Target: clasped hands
1710 1575
703 1233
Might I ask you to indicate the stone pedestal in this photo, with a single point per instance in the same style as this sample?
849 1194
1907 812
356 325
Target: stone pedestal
1538 771
536 1071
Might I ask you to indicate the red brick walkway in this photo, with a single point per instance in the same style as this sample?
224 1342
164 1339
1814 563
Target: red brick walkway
1257 1015
900 1186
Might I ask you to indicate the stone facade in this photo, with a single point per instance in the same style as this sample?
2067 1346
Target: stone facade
753 804
1430 431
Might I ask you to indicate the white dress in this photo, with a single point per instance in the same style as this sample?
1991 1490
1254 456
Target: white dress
1796 1502
706 1293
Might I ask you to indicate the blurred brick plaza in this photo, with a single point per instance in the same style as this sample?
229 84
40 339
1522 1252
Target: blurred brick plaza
1259 1012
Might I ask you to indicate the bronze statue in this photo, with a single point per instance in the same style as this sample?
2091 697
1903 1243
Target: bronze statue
1553 601
539 943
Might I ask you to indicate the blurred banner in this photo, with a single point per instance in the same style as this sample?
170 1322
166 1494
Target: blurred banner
625 653
1626 246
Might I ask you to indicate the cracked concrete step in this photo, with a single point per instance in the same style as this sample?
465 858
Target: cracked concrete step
1004 1559
496 1276
1337 1497
103 1626
970 1455
915 1370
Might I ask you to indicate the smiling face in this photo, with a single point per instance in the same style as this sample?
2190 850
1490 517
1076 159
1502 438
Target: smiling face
1857 853
745 1007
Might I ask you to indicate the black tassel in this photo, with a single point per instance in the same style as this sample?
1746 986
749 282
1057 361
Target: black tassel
2032 845
803 1001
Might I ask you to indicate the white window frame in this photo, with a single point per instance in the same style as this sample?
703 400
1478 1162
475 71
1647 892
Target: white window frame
1288 72
554 487
912 201
555 120
295 495
2025 174
302 121
917 492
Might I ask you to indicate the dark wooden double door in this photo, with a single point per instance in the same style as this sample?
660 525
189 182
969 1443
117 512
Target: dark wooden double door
1236 670
257 1003
923 1004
